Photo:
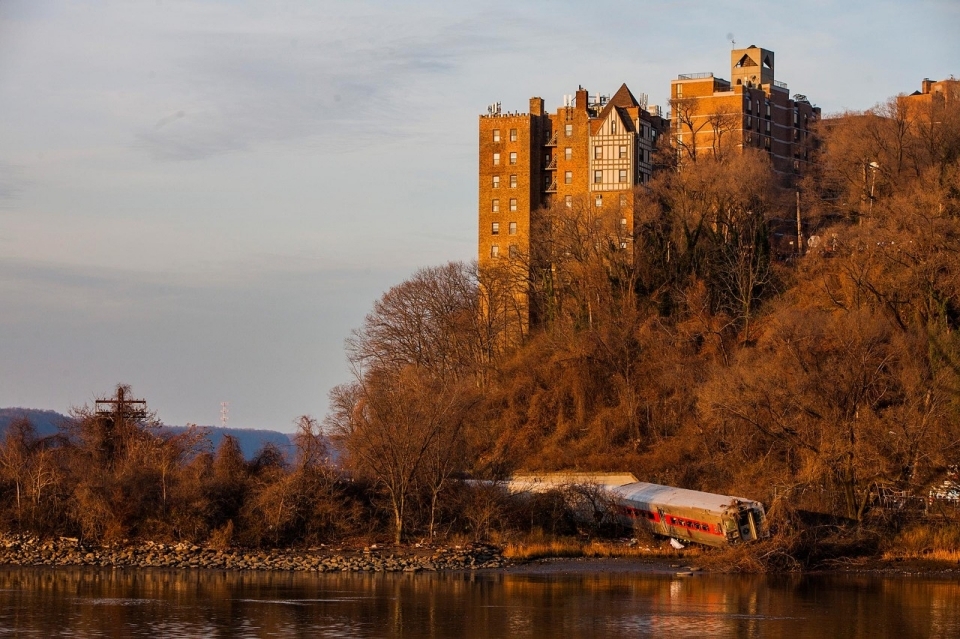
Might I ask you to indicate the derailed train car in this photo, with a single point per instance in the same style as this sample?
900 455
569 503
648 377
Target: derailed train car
704 518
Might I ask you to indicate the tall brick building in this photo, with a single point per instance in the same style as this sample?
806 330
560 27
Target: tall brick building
593 149
710 115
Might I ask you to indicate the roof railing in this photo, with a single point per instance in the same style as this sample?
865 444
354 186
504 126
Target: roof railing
695 76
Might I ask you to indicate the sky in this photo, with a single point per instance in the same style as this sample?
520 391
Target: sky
203 198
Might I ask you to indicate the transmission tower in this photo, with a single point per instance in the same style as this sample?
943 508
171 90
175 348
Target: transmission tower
224 413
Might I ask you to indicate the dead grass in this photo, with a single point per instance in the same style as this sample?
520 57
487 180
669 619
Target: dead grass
937 543
540 548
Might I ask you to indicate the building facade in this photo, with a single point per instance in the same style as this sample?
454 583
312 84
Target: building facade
713 116
933 92
594 150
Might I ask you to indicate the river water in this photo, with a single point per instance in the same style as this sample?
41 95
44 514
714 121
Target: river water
37 602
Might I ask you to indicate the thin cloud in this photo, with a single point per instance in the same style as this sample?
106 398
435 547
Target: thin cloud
262 86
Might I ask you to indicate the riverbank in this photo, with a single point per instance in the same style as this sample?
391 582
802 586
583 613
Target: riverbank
25 550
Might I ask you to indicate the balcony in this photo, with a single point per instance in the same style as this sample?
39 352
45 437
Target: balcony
553 140
551 165
552 188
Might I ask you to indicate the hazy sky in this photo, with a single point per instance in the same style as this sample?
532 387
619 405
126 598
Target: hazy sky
203 198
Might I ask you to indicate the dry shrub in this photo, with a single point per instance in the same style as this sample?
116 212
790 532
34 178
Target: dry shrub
222 537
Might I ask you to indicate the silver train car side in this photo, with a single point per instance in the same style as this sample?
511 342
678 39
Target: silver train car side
704 518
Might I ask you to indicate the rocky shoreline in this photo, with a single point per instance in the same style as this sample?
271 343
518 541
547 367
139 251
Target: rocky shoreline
24 550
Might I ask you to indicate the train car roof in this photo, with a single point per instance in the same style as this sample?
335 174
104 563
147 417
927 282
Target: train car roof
669 496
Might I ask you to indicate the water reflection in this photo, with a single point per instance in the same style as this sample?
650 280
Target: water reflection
160 603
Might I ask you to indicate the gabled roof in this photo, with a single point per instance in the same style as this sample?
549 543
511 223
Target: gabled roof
619 103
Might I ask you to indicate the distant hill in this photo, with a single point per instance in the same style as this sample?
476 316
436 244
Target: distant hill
48 422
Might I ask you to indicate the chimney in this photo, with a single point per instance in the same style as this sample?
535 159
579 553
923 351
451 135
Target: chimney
581 102
536 106
926 85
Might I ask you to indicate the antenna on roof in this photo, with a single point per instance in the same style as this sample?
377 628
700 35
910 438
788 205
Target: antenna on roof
733 43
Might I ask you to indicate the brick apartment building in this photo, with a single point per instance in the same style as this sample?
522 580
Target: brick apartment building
710 115
942 92
593 150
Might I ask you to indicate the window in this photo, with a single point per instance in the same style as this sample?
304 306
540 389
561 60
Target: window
768 109
513 181
768 127
623 175
513 250
496 181
598 152
568 177
623 200
598 202
496 205
496 135
623 151
568 200
546 181
623 222
513 204
568 130
496 159
679 90
494 251
796 117
597 177
513 135
653 134
749 106
512 229
568 153
513 157
748 122
613 125
495 228
623 245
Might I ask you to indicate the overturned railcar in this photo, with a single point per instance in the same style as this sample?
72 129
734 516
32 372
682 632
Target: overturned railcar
704 518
